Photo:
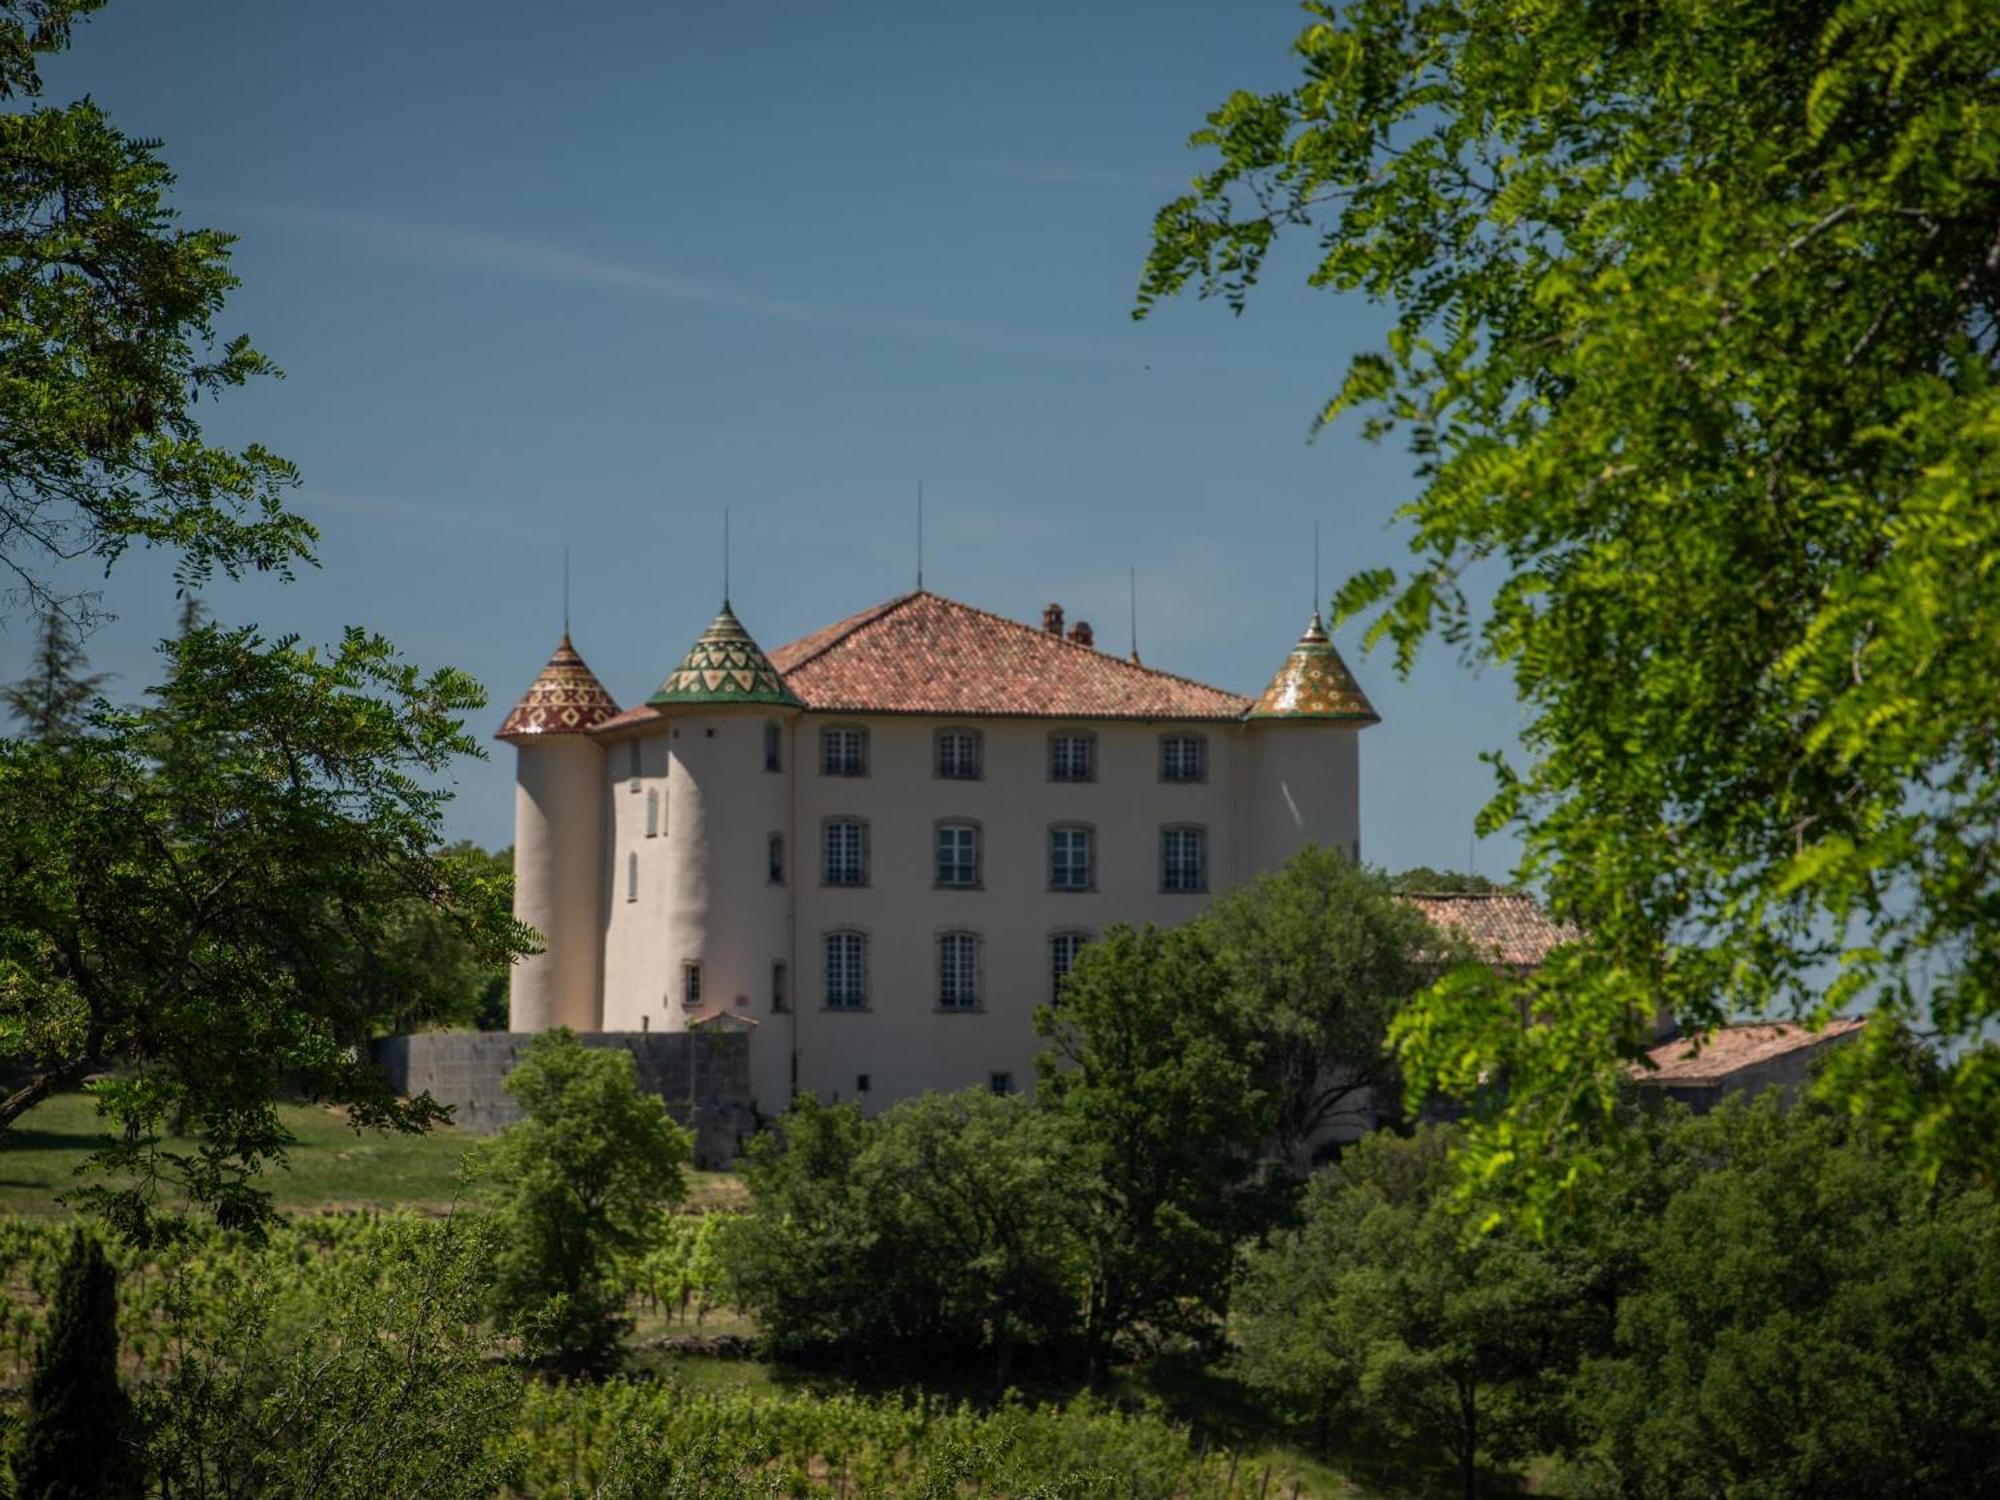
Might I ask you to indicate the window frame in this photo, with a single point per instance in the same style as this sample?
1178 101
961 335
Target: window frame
975 1000
781 984
1184 737
827 998
635 769
690 984
1083 937
978 878
826 827
861 749
1089 832
652 812
1000 1082
631 875
774 746
1200 887
1088 738
972 737
774 859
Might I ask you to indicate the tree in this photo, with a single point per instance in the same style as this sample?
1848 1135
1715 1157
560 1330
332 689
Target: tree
191 891
1813 1319
1152 1068
946 1231
1423 880
1696 309
79 1441
109 343
1322 955
582 1183
1382 1313
426 970
50 703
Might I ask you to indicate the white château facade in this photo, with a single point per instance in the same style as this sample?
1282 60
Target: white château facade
879 848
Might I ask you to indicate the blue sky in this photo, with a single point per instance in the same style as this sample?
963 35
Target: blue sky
544 276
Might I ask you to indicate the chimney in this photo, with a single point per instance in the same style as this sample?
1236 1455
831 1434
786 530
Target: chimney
1080 633
1052 619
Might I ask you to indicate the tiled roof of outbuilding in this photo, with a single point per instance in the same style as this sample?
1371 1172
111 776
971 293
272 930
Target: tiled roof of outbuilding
1732 1048
566 698
1508 928
924 654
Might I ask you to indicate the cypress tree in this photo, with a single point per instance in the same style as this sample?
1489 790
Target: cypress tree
50 701
78 1442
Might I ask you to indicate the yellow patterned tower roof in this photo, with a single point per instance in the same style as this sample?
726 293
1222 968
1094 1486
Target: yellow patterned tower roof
566 699
725 666
1314 683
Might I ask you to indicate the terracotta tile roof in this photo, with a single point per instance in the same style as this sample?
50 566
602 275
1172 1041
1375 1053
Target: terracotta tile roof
645 713
1508 927
566 698
925 654
1733 1048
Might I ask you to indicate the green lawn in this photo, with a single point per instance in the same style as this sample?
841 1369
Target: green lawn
331 1166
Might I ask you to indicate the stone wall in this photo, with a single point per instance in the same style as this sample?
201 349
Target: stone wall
704 1077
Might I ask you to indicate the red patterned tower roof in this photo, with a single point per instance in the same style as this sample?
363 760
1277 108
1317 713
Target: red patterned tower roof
925 654
566 699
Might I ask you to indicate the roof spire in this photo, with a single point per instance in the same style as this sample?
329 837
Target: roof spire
725 559
565 590
920 536
1135 614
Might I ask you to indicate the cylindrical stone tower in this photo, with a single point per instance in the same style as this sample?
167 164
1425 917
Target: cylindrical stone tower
559 794
1305 761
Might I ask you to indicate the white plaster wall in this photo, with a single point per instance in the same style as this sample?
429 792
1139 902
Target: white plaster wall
558 868
1302 786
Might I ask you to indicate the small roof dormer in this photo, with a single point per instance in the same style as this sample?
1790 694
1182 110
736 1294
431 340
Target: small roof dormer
724 666
1314 683
566 698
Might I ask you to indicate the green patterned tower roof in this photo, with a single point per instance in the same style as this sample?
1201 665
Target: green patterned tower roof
725 666
1314 683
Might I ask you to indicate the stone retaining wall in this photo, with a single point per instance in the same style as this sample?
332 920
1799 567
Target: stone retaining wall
703 1076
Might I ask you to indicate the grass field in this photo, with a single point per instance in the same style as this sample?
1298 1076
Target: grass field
332 1166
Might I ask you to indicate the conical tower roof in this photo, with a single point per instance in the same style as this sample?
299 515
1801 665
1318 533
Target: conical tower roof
724 666
566 699
1314 683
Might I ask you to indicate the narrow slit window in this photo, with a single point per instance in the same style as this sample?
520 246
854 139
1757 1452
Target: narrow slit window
631 877
632 769
652 815
690 986
775 854
780 985
774 747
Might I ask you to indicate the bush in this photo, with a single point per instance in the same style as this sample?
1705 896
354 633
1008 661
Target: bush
79 1441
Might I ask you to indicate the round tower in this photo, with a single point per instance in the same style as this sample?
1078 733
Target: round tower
559 860
1305 761
729 851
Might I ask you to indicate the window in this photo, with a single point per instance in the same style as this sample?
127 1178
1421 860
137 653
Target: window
1183 757
631 877
957 856
774 746
775 850
1063 949
780 980
1071 859
846 970
632 763
844 847
1184 859
1073 757
958 755
690 986
652 815
843 752
958 971
860 1083
1000 1083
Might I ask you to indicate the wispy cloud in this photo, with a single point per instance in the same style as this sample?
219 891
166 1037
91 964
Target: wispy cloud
440 245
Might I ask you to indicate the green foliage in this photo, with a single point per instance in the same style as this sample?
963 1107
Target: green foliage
949 1229
80 1441
1153 1071
1321 956
583 1184
1696 312
1423 880
1383 1316
372 1375
193 891
425 968
50 703
106 345
1813 1320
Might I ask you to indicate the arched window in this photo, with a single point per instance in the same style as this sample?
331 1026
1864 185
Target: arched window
846 969
631 877
844 852
1072 857
958 970
652 815
958 855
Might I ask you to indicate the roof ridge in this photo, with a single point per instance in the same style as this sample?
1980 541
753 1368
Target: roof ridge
860 620
1137 666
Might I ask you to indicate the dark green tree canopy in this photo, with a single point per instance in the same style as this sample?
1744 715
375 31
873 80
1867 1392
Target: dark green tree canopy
51 701
1696 309
80 1441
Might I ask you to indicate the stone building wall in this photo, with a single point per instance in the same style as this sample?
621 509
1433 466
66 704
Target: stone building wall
703 1076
